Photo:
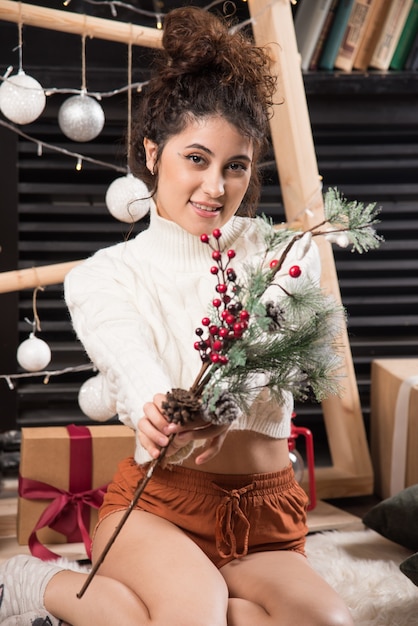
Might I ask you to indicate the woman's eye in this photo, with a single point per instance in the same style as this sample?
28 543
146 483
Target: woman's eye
195 158
237 167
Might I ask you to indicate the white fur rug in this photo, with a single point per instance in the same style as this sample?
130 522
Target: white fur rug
363 568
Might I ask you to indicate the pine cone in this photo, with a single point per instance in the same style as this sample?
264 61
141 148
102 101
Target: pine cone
181 406
276 314
226 410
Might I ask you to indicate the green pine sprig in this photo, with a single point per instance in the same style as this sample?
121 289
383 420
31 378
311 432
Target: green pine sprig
354 219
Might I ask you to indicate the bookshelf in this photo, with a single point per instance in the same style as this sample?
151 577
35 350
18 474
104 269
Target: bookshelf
357 35
361 83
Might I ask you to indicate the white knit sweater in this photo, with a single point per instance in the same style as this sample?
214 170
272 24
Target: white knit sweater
135 307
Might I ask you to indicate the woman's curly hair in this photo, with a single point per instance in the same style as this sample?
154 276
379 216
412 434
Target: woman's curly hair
205 69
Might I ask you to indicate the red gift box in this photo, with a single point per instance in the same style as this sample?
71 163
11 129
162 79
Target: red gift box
64 472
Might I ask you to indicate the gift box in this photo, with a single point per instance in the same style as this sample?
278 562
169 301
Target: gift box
64 472
394 424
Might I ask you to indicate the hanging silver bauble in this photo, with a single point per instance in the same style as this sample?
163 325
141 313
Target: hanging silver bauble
22 98
94 399
81 118
127 199
33 354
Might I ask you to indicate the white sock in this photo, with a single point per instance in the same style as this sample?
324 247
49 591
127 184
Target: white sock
23 580
37 618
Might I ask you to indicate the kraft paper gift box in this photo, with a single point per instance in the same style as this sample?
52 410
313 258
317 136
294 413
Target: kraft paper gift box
394 424
64 472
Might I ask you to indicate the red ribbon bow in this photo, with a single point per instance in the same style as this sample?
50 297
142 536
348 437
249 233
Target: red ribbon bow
69 511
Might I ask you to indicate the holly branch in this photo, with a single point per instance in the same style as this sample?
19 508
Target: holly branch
268 328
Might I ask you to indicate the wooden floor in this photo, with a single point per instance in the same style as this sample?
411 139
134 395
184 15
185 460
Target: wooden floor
325 516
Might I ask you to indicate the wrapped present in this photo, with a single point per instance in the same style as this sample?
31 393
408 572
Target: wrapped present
64 473
394 424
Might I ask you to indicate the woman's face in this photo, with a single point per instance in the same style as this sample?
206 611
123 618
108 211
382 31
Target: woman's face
203 174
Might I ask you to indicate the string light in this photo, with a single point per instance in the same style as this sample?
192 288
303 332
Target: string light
64 151
46 374
79 164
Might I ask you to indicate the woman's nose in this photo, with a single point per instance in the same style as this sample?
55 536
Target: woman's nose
213 183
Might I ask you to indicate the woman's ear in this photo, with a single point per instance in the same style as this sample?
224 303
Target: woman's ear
151 152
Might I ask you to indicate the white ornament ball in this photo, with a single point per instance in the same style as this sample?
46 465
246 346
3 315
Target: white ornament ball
22 98
94 399
127 199
33 354
81 118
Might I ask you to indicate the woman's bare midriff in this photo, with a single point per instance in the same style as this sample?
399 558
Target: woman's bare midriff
245 452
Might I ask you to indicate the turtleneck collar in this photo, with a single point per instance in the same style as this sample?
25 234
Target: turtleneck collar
168 242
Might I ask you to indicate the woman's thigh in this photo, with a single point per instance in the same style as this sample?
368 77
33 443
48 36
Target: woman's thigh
280 588
168 572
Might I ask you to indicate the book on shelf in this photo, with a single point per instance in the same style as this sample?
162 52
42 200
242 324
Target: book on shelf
309 20
319 46
336 34
379 11
406 39
354 31
412 60
390 34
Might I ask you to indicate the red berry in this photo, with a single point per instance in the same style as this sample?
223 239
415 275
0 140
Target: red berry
244 315
226 299
231 254
223 332
217 345
230 319
214 357
214 269
217 233
204 238
221 288
217 303
197 345
295 271
223 359
213 329
205 321
216 255
274 263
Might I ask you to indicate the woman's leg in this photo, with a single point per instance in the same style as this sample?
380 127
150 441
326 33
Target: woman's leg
280 588
152 575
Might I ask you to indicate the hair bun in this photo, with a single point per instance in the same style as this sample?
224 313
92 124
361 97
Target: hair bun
193 39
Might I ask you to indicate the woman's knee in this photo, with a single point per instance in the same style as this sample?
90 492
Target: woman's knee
337 615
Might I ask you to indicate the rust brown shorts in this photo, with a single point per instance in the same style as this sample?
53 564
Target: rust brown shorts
227 516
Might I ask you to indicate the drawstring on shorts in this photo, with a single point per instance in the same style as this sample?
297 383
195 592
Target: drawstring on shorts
229 517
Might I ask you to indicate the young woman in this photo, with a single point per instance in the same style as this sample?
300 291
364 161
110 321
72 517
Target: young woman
218 536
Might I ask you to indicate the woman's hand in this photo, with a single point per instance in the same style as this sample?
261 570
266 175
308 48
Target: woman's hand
154 433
